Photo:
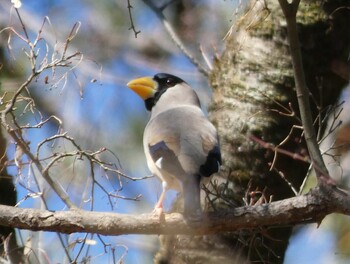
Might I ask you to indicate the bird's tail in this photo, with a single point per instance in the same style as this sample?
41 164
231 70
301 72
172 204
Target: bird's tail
192 204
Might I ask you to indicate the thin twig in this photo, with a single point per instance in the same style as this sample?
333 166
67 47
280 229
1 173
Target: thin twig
290 10
16 133
285 140
206 59
272 147
176 39
132 26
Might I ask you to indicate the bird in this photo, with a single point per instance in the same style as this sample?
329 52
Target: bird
181 145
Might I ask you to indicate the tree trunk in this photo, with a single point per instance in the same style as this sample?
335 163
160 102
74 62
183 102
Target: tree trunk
254 103
8 196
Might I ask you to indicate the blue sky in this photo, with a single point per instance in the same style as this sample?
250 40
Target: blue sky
102 116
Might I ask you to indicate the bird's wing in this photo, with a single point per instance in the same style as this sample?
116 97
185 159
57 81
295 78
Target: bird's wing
183 143
164 151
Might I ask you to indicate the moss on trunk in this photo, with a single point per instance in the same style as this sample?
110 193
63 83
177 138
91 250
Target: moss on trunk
253 95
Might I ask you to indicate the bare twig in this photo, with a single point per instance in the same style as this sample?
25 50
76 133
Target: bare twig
15 133
14 129
175 37
266 145
278 147
92 156
332 113
23 27
290 10
287 181
132 26
206 59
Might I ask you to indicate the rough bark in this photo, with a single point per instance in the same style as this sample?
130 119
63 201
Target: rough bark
254 95
308 208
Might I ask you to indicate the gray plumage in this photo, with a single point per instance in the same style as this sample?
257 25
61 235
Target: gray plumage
177 142
180 143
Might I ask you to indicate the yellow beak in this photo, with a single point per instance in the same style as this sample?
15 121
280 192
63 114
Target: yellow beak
145 87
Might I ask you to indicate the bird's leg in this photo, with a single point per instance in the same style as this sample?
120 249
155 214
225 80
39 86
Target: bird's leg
158 209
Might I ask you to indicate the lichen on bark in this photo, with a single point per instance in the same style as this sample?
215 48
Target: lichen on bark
254 95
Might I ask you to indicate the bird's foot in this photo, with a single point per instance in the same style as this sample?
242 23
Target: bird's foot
158 211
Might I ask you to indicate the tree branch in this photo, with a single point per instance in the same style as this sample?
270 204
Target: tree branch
290 11
312 207
132 26
175 38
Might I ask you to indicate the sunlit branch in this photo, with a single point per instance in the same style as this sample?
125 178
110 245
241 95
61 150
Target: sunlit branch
308 208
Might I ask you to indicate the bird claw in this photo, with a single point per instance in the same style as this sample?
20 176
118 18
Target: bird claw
159 213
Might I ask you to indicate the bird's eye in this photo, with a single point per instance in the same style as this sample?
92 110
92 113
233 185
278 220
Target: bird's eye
170 82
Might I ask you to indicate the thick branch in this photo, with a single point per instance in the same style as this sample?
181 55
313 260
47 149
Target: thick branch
312 207
290 10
